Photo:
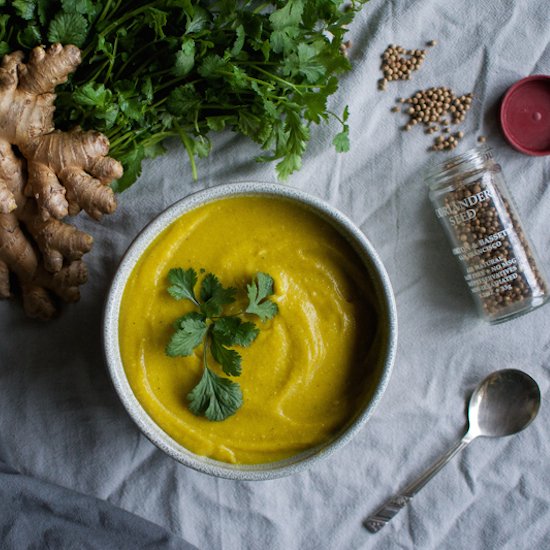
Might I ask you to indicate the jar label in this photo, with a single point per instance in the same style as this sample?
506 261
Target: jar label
463 210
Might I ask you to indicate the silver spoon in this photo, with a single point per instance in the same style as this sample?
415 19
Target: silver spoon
504 403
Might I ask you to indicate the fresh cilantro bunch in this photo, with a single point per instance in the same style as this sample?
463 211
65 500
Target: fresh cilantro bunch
216 397
156 69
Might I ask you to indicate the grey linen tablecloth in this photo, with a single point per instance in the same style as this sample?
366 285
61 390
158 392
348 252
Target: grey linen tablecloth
62 425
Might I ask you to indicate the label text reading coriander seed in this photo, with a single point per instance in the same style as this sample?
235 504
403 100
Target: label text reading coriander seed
460 211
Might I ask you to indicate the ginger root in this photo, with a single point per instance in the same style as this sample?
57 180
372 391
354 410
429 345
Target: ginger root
46 175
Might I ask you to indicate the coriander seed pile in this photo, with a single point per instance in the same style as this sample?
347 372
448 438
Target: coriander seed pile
437 109
395 66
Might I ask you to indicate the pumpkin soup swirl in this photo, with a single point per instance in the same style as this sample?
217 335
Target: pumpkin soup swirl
305 376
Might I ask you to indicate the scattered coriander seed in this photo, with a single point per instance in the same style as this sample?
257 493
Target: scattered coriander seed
397 67
438 108
395 109
481 139
344 48
432 43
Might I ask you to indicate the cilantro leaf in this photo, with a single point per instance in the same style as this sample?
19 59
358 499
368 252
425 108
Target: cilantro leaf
215 397
92 94
68 28
285 22
231 331
156 19
304 62
211 287
202 146
147 89
290 163
249 123
246 334
290 15
211 66
30 37
131 161
183 100
292 140
189 334
214 296
84 7
128 100
198 21
24 8
258 292
239 41
218 123
192 315
229 359
185 57
283 40
4 20
183 283
341 140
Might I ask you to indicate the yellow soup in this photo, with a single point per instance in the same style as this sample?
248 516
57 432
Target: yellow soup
306 375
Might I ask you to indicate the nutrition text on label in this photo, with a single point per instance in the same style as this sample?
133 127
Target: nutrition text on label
497 273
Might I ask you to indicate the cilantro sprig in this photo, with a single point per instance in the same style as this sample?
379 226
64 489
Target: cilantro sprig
215 396
158 69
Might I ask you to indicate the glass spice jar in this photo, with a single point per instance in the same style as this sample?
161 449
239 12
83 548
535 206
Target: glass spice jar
498 262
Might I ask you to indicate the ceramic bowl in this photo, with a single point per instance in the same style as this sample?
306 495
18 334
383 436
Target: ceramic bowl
386 338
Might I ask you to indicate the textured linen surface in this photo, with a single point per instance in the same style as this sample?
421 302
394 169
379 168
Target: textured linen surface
61 422
37 514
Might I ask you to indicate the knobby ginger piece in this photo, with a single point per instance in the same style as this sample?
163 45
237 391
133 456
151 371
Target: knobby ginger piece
46 175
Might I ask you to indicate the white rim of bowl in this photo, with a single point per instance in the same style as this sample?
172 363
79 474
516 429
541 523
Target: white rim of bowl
245 472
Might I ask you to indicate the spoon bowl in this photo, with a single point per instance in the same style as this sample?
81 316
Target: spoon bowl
504 403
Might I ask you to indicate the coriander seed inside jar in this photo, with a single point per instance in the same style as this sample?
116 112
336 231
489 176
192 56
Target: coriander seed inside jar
498 262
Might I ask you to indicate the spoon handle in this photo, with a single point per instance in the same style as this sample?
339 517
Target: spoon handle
384 514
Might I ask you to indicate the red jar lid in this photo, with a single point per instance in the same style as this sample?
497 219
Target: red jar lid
525 115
